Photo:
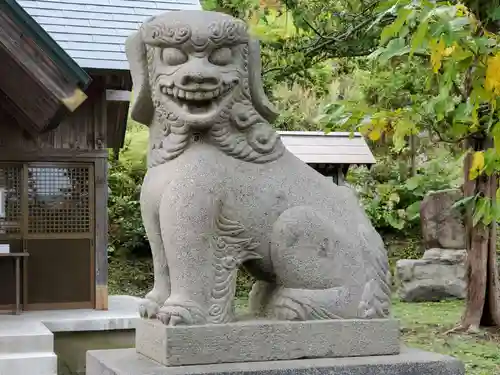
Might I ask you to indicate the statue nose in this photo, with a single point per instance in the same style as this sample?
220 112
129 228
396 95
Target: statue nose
199 79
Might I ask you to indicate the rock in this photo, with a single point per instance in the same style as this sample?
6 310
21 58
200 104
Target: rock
442 226
440 274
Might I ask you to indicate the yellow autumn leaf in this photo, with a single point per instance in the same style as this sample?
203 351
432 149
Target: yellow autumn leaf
448 51
437 53
370 131
461 10
492 80
365 129
375 134
477 165
380 125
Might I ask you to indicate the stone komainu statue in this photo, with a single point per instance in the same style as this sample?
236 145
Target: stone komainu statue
222 192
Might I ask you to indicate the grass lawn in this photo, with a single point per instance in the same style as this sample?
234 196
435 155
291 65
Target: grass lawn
424 324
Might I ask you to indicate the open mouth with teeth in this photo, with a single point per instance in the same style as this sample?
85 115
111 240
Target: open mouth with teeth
197 103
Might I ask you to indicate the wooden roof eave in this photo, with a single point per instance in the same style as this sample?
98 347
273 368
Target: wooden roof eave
39 82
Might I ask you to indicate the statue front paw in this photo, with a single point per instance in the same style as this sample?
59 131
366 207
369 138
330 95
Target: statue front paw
148 308
181 313
150 305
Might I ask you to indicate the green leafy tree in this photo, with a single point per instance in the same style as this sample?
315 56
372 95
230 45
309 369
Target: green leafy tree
460 49
300 37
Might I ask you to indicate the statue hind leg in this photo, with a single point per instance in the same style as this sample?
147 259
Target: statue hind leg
319 274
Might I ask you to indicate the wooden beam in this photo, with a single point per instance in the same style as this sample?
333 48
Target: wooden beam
101 233
117 116
101 297
16 113
44 81
53 155
24 98
74 101
118 95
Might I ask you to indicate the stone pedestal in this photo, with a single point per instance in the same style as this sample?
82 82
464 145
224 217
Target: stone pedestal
263 347
408 362
265 340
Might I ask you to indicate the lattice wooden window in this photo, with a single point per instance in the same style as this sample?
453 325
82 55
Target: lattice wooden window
59 200
10 196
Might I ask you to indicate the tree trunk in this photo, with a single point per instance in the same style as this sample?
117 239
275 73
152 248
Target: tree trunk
483 290
491 312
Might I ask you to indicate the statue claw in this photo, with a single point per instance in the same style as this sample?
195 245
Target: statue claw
177 314
148 309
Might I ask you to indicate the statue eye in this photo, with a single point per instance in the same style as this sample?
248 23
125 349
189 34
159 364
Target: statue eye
221 56
173 56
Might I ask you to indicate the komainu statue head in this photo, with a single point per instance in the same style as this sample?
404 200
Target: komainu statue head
198 71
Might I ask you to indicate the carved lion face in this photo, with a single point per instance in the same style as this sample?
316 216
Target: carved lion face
197 70
196 66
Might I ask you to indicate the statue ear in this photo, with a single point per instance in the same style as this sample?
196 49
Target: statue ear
259 98
142 109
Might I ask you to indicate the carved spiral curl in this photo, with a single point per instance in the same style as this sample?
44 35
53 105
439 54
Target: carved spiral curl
230 250
228 32
157 34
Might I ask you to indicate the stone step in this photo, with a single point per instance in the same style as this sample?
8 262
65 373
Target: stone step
28 364
25 337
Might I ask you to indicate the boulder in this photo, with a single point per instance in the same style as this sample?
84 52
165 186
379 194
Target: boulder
440 274
442 226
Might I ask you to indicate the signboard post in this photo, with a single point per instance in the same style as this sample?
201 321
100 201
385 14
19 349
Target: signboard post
4 248
2 203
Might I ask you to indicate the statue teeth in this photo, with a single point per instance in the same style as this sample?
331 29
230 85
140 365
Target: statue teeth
198 95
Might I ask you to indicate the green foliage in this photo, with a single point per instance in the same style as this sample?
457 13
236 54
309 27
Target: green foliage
297 108
461 98
133 276
392 198
130 276
300 37
399 247
126 232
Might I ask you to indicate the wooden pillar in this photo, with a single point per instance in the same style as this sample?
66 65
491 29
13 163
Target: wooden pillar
101 234
338 175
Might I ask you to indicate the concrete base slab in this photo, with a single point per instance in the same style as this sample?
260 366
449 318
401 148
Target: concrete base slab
265 340
408 362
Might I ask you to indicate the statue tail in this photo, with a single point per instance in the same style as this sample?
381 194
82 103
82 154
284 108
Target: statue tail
376 296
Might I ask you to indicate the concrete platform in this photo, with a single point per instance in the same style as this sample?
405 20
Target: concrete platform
27 340
265 340
408 362
123 313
